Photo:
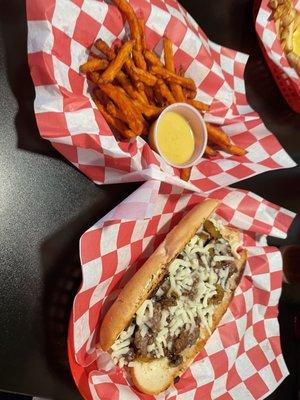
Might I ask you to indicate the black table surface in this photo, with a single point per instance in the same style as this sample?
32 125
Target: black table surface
46 204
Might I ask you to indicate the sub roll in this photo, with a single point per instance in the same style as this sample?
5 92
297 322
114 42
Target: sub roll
164 315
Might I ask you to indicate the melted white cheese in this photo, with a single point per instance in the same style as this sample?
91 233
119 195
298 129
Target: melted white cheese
194 269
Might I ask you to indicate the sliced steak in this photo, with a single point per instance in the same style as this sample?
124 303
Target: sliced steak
217 298
185 339
180 342
141 343
130 356
154 322
167 302
226 264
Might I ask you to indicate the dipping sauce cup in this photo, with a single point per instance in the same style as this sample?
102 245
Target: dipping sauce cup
179 135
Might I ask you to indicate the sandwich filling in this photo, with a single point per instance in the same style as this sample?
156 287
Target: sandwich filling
175 316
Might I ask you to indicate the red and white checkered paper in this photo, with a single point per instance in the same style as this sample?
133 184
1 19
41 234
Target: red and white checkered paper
60 35
242 359
265 28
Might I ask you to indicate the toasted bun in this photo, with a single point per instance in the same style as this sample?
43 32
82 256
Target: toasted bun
146 279
152 377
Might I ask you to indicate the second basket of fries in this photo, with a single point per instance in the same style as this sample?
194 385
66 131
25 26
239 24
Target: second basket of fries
278 28
106 73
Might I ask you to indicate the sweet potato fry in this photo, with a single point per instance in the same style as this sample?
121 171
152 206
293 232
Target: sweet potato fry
181 70
141 90
94 64
160 101
115 112
176 89
148 111
125 83
185 173
115 123
152 58
105 49
177 92
101 96
217 136
165 92
93 76
210 152
198 105
150 94
127 10
189 94
141 23
143 76
123 102
116 64
141 96
168 55
139 59
172 77
127 68
235 150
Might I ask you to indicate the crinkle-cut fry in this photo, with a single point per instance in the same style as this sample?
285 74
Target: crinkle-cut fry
176 89
190 94
118 96
94 64
152 58
114 123
116 64
217 136
198 105
105 49
148 111
235 150
173 77
139 60
141 23
125 7
210 152
185 173
143 76
165 92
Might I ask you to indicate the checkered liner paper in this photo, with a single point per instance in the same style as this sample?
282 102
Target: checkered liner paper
265 28
60 35
242 359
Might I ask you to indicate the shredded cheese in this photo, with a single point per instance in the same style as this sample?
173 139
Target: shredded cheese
192 279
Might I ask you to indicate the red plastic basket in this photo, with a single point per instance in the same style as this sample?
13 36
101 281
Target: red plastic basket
289 90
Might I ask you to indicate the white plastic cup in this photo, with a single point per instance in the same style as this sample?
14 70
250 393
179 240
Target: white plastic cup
197 124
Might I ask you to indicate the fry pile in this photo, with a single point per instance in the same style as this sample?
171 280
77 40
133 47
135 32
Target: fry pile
287 21
132 85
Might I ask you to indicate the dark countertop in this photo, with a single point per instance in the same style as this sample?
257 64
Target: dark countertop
46 204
